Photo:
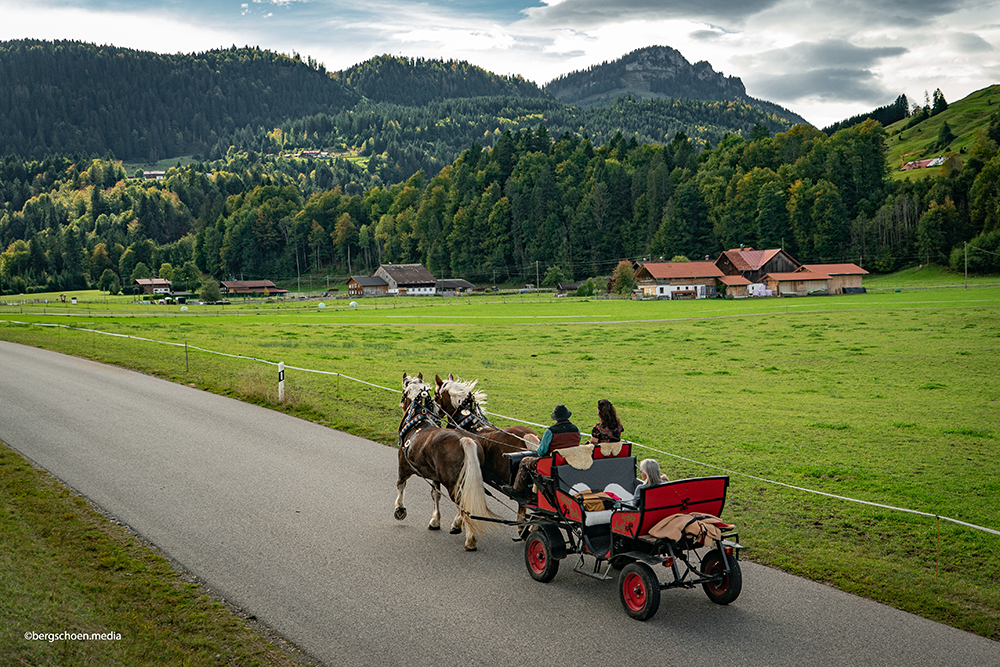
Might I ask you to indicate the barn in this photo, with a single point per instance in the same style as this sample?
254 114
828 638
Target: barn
844 278
802 283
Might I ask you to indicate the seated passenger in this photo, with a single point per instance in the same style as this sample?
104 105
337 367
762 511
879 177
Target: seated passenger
560 435
650 475
609 429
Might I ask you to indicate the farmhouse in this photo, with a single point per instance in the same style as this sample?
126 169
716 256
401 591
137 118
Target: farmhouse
754 264
844 278
801 283
367 286
153 285
248 287
678 280
412 279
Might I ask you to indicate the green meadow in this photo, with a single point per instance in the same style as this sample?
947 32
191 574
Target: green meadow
891 398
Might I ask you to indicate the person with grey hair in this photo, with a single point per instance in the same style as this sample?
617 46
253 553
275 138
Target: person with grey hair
649 471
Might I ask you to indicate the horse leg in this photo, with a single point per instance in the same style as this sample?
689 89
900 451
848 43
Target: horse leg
400 511
470 539
456 525
435 523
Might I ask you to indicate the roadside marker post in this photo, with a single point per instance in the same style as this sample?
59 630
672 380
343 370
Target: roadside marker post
281 381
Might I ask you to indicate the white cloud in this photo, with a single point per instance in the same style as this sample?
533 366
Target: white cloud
140 30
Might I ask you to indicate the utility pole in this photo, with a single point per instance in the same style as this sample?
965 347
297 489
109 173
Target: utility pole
536 276
965 245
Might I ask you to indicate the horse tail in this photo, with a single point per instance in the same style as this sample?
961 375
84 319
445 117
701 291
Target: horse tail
471 492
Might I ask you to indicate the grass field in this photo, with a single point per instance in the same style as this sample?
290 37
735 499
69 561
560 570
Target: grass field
890 398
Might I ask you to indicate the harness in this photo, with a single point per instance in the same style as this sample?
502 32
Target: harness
415 416
473 413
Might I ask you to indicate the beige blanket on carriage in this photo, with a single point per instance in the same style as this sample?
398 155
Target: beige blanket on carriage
704 528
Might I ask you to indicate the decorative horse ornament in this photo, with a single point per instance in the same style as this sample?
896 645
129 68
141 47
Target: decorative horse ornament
462 403
442 457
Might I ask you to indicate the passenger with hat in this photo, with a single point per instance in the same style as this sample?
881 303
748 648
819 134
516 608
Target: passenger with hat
560 435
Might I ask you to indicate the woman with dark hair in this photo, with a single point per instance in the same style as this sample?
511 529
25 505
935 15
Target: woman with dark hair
609 429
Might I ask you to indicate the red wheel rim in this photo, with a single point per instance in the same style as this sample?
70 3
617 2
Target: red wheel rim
712 567
537 556
634 591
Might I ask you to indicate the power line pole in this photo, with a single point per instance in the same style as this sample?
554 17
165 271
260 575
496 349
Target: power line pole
965 245
536 276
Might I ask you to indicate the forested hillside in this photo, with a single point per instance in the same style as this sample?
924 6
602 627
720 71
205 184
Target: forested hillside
574 208
71 97
417 81
404 114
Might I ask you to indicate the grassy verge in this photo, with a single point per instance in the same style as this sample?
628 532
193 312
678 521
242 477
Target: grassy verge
888 398
66 569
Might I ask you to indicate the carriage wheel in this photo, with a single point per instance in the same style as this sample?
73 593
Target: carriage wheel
639 590
542 566
728 587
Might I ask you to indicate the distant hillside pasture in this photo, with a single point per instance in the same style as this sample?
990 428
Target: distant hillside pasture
889 398
965 117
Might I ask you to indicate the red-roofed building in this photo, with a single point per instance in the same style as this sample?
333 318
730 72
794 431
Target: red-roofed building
153 285
678 280
248 287
734 287
844 278
754 264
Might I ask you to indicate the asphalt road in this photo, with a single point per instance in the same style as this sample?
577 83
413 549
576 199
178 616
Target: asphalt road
293 522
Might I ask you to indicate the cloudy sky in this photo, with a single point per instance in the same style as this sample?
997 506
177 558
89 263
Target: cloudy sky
824 59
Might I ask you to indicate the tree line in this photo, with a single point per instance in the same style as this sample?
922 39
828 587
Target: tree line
532 202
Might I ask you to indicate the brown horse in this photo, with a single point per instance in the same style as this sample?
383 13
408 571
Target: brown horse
443 457
462 403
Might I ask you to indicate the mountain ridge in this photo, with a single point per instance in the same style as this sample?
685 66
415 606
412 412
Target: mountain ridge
656 72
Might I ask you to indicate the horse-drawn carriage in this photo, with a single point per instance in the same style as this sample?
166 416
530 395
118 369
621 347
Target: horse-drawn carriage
586 502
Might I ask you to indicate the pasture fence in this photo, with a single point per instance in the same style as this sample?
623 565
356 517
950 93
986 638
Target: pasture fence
281 367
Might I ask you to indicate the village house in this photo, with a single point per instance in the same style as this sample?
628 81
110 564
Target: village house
153 285
844 278
755 264
249 287
410 279
678 280
797 283
367 286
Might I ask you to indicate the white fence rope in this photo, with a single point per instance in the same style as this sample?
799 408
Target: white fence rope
521 421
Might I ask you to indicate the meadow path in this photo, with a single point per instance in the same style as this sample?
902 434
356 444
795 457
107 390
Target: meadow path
293 523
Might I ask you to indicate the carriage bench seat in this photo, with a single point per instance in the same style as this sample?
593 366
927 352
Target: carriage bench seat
706 495
567 482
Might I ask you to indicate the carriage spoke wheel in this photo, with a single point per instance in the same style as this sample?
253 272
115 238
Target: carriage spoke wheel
542 565
639 590
728 586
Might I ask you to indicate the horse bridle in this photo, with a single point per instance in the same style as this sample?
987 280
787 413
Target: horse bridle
473 414
421 409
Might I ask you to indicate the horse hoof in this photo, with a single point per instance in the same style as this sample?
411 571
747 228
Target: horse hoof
471 549
433 527
455 531
400 513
